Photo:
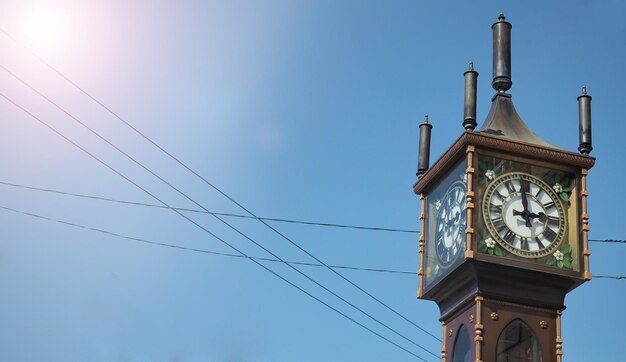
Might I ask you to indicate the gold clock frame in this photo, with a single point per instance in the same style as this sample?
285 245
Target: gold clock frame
548 189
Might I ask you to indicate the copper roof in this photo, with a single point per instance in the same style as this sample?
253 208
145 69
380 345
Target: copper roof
503 121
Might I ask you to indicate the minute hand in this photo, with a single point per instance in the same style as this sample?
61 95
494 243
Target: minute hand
526 212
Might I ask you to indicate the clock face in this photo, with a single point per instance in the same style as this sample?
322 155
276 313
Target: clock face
445 225
524 215
451 223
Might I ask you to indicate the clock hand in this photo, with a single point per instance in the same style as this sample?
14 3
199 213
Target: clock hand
526 212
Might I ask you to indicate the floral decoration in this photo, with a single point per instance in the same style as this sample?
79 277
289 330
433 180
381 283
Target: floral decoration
490 174
557 188
490 247
562 258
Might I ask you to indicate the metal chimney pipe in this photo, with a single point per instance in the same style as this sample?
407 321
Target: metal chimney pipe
584 122
501 54
469 112
424 148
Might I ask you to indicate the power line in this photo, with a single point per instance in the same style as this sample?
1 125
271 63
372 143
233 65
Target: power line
199 205
230 245
135 203
238 256
613 241
197 250
225 195
251 214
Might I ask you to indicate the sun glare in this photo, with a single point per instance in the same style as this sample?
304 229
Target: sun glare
45 28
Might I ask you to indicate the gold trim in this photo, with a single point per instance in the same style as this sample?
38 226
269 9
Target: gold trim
585 223
547 189
559 339
478 328
422 239
469 230
443 344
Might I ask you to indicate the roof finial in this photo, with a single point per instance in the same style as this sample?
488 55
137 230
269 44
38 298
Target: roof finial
423 158
469 104
584 123
501 55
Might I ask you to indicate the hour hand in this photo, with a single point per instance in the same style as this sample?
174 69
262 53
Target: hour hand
541 216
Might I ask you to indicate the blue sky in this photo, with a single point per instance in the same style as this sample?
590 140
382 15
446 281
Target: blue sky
300 110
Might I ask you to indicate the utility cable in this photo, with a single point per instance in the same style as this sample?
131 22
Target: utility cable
238 256
219 191
222 240
218 217
608 241
135 203
204 251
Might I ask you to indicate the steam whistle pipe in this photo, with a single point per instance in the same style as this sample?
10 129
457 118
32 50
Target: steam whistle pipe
423 159
584 122
469 109
501 54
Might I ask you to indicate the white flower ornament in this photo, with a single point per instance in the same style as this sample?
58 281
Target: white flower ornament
438 204
490 242
557 188
558 255
490 174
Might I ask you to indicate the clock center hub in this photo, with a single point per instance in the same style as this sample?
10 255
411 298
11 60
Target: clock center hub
515 218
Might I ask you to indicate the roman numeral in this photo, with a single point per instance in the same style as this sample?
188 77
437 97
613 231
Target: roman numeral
540 242
458 196
509 186
509 237
499 224
495 209
499 195
549 205
524 185
538 193
553 220
549 234
524 245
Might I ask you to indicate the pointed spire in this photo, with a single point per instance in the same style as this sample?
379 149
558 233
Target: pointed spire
501 54
424 148
584 122
469 112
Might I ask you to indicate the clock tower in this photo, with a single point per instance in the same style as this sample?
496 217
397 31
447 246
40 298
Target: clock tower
504 227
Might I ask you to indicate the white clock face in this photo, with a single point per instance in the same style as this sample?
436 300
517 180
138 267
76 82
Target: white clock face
524 215
451 223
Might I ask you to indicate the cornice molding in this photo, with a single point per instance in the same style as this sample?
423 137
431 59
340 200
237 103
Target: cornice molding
508 146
